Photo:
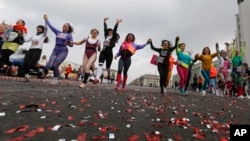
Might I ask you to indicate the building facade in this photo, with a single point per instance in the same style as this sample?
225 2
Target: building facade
147 80
243 27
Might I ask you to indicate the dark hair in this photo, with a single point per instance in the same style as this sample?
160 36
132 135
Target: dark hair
126 38
42 27
169 43
46 39
109 29
203 51
22 21
71 29
181 44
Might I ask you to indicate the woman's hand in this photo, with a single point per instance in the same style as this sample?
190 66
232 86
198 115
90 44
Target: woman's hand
45 17
149 41
105 19
118 21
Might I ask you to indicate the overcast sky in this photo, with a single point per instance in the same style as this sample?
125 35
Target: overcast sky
199 23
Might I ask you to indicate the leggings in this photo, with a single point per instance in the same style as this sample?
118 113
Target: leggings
30 60
56 58
206 75
124 65
106 55
4 60
163 71
183 74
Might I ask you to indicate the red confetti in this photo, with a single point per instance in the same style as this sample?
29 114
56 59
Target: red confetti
70 117
83 100
81 123
177 137
82 137
133 138
103 129
102 137
21 128
34 132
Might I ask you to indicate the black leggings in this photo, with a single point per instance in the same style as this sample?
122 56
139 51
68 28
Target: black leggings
106 55
124 65
5 57
30 60
163 71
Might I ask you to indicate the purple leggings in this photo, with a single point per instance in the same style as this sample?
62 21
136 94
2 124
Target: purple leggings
57 57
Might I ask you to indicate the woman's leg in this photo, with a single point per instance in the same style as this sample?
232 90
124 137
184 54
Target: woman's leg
181 73
87 64
57 62
206 76
125 72
119 73
162 73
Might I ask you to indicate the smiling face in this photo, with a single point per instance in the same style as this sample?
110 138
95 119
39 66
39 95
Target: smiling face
182 46
65 27
223 53
94 33
206 51
165 44
130 37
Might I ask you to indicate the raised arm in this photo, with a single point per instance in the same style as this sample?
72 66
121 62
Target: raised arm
176 44
105 26
243 49
152 46
45 29
50 25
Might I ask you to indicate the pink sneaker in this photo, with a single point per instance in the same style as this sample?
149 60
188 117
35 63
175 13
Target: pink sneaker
117 87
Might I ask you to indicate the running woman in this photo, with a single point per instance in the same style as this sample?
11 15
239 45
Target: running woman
33 55
111 38
207 61
127 49
90 54
163 59
60 52
237 71
184 59
223 68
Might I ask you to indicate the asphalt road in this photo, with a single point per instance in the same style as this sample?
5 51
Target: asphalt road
38 111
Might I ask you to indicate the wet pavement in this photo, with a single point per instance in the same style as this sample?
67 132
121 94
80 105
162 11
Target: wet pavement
38 111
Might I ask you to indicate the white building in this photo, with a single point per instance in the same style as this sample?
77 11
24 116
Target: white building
243 27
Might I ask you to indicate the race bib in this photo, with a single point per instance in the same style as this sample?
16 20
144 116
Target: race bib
11 36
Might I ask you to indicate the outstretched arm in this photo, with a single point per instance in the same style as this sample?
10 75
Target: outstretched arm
80 42
50 25
152 46
176 44
105 26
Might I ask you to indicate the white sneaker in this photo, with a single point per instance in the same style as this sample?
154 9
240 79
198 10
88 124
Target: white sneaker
248 97
53 82
240 97
165 90
203 93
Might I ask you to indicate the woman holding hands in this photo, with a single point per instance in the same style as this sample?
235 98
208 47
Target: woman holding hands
60 51
92 45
